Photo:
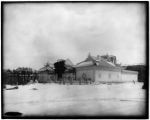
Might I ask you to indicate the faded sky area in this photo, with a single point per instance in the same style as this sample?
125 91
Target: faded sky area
37 33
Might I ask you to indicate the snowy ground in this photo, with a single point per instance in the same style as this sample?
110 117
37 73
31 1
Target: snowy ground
53 99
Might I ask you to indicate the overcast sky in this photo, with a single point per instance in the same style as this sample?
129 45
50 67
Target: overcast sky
37 33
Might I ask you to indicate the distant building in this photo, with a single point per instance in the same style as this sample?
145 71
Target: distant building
47 73
104 69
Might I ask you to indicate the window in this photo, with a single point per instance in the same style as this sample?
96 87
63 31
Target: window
109 75
118 76
99 75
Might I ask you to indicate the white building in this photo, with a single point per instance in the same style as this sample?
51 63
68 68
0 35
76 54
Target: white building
100 70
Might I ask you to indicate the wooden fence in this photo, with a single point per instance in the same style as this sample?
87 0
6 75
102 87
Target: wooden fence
22 79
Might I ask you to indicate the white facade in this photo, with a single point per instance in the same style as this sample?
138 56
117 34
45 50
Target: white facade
129 76
44 77
109 76
100 70
84 71
104 75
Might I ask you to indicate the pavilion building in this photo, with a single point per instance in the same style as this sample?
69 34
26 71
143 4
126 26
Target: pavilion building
103 69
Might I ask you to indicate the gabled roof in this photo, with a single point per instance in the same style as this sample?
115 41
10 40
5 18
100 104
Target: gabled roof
85 63
68 62
97 61
47 67
102 63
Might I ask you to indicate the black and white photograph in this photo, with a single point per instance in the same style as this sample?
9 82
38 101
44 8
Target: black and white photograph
74 59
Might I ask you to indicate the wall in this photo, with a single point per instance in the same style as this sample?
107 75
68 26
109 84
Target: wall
107 76
88 72
129 77
115 76
45 77
95 74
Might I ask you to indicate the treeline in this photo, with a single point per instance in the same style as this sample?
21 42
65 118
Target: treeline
19 76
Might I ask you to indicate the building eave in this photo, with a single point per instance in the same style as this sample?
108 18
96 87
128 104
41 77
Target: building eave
129 71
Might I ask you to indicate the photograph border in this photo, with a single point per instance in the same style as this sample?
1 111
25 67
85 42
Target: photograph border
77 116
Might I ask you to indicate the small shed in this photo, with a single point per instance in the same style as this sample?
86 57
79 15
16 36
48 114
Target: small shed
46 73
